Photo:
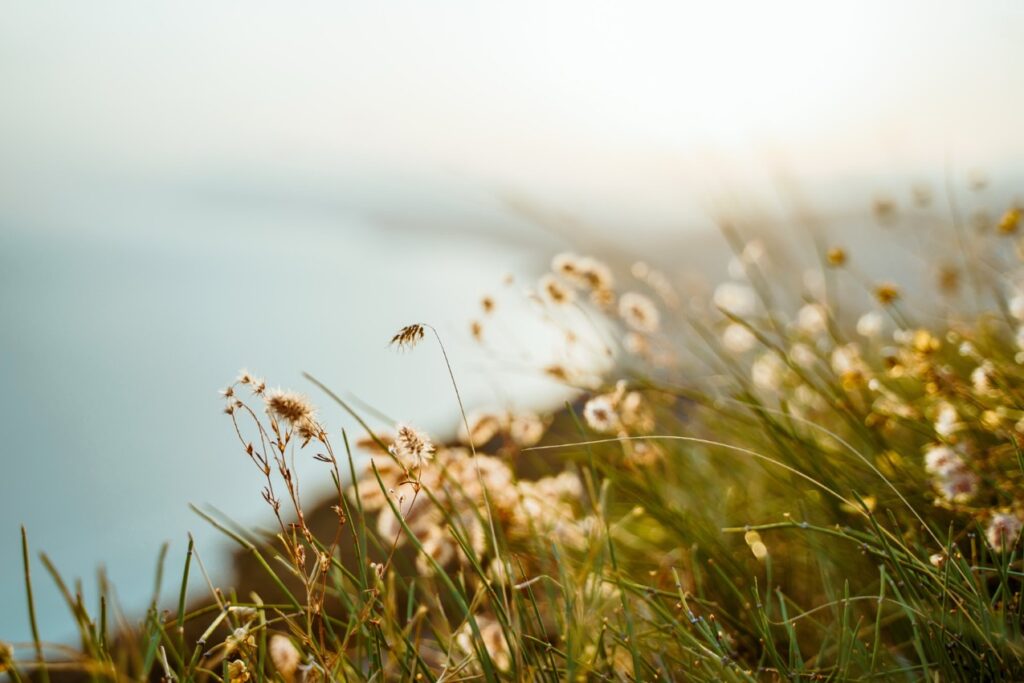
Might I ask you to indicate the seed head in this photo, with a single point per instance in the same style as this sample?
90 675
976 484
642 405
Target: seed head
552 289
408 336
836 257
411 447
238 672
1010 222
284 655
289 407
600 414
639 312
887 293
1002 531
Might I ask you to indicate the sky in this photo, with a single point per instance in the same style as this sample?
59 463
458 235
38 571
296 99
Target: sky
190 187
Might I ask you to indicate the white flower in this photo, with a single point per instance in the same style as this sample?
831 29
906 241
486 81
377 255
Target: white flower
869 324
1016 306
942 460
767 371
946 420
1002 531
526 429
980 378
812 319
411 447
639 312
738 339
553 290
846 359
959 485
600 414
740 300
803 355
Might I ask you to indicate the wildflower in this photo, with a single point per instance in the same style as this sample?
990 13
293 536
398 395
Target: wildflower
284 655
836 257
885 209
887 293
408 336
937 560
411 447
949 279
595 274
639 312
767 371
1010 222
981 378
240 638
1002 531
636 344
567 265
870 324
958 486
6 657
753 252
738 339
942 460
1016 306
734 298
803 355
289 407
600 414
493 641
483 426
946 420
526 429
812 319
635 412
438 546
238 672
244 377
552 289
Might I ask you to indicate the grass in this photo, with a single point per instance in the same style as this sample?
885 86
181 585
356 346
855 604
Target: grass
757 489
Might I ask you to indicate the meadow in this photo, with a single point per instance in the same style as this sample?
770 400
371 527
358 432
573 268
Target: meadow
800 473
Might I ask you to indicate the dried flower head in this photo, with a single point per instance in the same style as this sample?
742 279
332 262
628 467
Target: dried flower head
600 413
289 407
836 257
812 319
553 290
735 298
483 426
411 447
1002 532
238 672
284 655
738 339
870 324
6 657
595 274
526 429
639 312
408 336
887 293
1010 222
487 304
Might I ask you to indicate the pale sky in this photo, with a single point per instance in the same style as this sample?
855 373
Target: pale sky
631 100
